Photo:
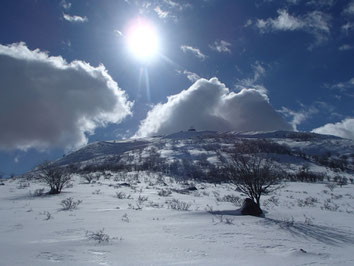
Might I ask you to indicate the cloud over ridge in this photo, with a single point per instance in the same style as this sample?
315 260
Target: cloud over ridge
343 129
210 105
46 102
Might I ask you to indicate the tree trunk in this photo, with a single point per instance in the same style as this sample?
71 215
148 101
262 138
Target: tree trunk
258 202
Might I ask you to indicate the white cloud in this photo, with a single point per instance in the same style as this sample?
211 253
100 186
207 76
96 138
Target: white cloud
46 102
221 46
298 117
253 82
345 47
119 33
161 13
195 51
209 105
316 3
193 77
165 9
342 86
347 27
74 18
315 23
350 8
283 22
176 5
64 4
321 3
344 129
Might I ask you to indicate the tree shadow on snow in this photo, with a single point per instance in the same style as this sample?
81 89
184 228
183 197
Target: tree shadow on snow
235 213
227 212
324 234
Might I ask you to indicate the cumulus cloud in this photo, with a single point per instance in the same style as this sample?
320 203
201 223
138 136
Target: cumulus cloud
195 51
315 23
221 46
77 19
193 77
344 129
210 105
46 102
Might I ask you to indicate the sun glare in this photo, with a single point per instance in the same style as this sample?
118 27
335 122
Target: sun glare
143 41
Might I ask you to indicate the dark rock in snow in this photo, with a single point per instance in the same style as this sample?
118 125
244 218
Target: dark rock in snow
249 207
124 185
185 190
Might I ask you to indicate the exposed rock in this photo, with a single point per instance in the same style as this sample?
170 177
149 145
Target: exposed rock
249 207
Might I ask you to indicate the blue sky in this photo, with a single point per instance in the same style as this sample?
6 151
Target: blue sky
278 65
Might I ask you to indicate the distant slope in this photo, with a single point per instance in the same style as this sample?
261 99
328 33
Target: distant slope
99 149
183 152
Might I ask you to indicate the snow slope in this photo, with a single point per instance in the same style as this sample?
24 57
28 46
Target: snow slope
151 218
304 224
199 148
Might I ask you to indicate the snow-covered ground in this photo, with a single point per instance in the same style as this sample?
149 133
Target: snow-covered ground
304 224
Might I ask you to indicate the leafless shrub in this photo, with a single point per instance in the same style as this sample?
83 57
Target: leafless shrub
100 236
307 202
122 195
178 205
254 176
136 207
154 205
335 197
96 192
69 204
164 192
39 192
23 184
308 220
55 177
125 218
209 208
89 177
330 206
142 199
305 175
47 215
287 222
331 186
221 219
236 200
341 180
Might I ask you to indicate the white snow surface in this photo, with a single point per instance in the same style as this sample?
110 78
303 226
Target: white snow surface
304 223
211 232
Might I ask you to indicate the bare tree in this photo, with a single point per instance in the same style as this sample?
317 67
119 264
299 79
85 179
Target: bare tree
55 177
254 176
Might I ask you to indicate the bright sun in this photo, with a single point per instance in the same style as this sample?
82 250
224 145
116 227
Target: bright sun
143 40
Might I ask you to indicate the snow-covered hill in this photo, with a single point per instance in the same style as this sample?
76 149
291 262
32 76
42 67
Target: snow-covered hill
175 153
155 201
